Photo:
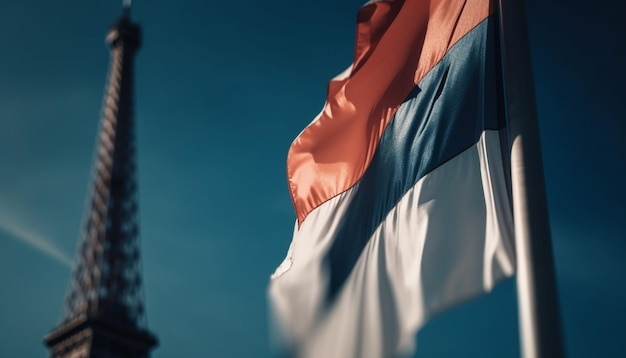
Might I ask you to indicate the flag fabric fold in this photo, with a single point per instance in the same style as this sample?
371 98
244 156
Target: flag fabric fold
399 185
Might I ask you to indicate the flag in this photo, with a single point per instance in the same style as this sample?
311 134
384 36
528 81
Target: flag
399 185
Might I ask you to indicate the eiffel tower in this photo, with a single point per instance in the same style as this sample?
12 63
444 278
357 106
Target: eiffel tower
104 312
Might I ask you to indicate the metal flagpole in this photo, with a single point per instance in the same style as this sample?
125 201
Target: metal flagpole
539 318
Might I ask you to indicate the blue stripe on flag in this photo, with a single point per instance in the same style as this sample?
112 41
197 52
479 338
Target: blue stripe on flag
445 114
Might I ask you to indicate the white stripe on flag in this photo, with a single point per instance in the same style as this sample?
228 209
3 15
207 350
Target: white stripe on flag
401 278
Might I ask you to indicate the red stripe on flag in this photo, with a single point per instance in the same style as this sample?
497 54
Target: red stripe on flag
398 42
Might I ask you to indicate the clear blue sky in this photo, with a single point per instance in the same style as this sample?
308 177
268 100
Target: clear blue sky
222 90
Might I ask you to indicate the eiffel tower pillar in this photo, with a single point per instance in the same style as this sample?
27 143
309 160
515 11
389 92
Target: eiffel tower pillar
104 312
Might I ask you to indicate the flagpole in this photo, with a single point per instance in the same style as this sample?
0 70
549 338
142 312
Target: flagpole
539 318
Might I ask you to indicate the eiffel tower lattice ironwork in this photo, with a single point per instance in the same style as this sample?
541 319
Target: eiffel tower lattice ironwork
104 311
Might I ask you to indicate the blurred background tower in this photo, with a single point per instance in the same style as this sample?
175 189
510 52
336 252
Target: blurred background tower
104 312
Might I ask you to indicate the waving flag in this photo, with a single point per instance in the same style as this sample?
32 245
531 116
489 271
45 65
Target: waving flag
399 185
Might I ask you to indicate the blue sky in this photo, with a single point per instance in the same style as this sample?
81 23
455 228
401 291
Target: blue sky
222 90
